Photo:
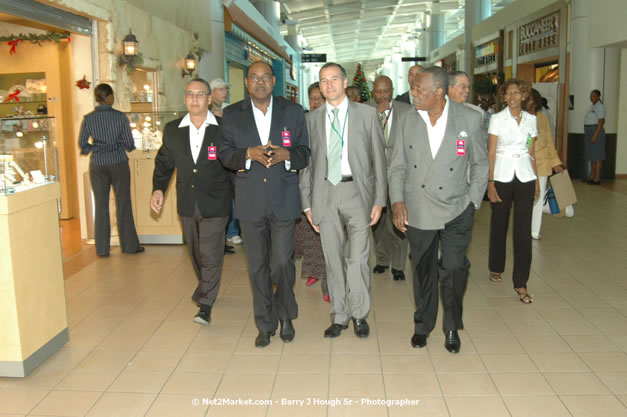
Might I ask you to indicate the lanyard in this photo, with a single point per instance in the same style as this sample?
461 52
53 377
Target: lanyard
343 128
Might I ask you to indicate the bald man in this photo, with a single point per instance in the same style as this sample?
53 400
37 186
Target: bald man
407 97
391 244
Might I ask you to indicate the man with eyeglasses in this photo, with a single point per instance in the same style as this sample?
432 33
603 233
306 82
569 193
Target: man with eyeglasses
203 188
458 90
266 142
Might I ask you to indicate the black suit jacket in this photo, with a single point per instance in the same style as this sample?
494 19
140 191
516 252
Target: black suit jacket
403 97
256 187
204 183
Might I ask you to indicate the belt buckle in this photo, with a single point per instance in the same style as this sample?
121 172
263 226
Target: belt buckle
516 155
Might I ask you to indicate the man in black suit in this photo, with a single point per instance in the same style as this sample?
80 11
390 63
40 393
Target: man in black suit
266 142
203 187
406 97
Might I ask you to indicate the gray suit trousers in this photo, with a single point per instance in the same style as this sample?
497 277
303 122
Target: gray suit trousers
390 243
205 239
345 223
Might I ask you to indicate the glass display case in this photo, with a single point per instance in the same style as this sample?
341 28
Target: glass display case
147 127
28 156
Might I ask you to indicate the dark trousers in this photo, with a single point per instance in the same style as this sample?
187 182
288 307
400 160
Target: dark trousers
102 178
522 195
451 271
269 244
205 240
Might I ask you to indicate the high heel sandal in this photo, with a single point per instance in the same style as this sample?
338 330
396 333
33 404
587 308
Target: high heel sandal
525 297
495 276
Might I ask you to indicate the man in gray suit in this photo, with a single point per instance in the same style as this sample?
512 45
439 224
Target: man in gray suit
437 176
343 191
390 243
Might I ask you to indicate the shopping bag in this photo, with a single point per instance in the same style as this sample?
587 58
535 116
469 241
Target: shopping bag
549 199
563 189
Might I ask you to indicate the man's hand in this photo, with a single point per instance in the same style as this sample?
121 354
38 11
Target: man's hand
276 154
309 218
156 201
558 168
375 214
399 216
259 154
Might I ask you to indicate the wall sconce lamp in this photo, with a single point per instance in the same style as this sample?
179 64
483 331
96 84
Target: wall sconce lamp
129 45
189 64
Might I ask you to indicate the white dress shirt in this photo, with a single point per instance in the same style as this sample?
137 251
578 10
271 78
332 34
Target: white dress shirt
436 133
512 155
196 136
342 116
263 123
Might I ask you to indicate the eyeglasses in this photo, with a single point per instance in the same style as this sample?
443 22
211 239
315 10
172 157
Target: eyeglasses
196 94
265 78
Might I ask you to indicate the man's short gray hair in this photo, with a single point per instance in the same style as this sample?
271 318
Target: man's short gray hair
439 77
452 77
200 80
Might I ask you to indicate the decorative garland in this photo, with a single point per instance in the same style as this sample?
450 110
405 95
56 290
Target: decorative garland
13 40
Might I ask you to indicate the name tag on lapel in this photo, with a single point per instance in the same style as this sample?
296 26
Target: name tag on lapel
212 153
287 140
461 147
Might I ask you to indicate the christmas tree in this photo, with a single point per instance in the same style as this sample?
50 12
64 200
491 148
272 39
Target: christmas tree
359 81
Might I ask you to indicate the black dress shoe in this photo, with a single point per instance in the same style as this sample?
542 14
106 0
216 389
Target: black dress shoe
361 327
228 250
140 249
287 331
398 275
263 339
203 317
379 269
335 330
451 341
419 340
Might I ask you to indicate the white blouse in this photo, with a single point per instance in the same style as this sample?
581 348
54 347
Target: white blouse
596 112
512 155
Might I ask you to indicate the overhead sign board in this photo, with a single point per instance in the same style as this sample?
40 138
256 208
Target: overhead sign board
413 59
313 58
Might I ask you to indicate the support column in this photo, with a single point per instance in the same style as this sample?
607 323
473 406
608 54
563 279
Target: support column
590 68
435 32
212 64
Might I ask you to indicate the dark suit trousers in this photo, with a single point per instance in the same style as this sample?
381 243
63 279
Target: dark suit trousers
451 271
522 196
102 178
205 239
269 244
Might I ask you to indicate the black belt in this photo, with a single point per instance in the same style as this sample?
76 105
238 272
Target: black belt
347 178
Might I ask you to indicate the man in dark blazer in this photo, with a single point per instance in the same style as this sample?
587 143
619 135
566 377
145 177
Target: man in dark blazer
343 191
391 244
406 97
437 177
203 187
266 142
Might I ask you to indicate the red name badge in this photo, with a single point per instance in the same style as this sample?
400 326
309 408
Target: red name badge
212 153
287 141
461 147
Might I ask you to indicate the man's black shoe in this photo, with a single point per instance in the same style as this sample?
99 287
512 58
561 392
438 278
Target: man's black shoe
398 275
228 250
379 269
263 339
452 343
361 327
419 340
287 331
203 317
335 330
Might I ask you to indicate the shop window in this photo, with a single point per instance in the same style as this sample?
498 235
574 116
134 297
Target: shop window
144 96
23 94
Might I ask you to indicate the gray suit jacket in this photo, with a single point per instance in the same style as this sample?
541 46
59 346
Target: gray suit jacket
397 108
436 191
366 157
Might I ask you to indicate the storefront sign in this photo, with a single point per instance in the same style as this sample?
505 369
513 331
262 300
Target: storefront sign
486 54
538 35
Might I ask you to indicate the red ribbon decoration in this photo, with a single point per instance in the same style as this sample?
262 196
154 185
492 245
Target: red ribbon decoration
13 96
13 45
